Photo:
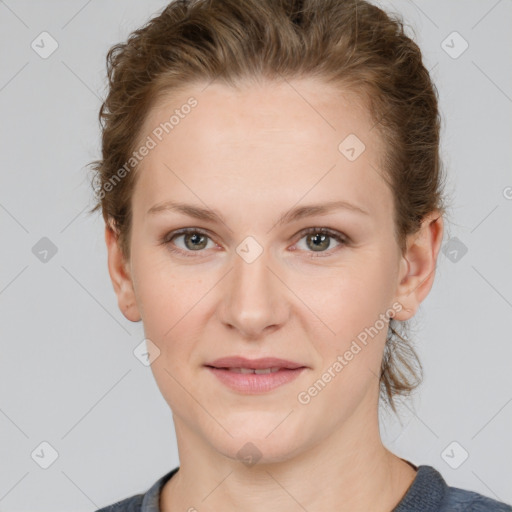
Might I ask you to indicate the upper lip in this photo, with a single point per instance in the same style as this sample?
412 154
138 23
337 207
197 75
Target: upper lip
255 364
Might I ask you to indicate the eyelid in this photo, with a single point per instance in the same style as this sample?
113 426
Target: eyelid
324 230
183 231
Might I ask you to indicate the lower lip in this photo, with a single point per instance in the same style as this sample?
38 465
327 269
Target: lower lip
254 383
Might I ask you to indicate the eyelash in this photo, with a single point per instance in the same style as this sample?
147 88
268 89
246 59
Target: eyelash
343 240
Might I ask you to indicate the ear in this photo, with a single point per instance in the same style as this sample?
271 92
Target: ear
118 269
418 265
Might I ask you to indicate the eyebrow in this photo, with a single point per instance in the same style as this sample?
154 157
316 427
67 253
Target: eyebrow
207 214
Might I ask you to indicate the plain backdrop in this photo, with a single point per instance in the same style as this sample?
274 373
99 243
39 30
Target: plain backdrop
68 375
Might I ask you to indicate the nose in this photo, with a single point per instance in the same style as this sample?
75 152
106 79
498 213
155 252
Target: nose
254 300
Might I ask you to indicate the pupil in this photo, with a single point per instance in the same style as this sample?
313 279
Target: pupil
322 239
195 238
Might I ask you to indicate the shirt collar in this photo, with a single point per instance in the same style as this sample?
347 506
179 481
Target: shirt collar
425 494
151 500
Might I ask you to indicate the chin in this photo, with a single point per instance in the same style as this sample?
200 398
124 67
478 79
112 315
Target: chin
264 444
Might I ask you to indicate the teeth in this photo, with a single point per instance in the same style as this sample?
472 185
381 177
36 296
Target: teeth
250 370
266 370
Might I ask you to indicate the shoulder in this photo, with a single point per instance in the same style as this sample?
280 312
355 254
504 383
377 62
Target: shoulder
461 500
429 492
131 504
142 502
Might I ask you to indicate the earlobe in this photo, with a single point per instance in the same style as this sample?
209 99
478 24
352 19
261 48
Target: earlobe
120 277
418 265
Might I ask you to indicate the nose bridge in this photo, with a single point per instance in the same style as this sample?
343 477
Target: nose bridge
254 299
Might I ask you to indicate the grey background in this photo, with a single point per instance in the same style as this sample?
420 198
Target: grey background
68 375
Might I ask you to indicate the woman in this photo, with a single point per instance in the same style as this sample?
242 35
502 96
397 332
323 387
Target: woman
272 193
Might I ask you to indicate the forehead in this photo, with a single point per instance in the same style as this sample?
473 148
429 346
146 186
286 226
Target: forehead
302 108
264 140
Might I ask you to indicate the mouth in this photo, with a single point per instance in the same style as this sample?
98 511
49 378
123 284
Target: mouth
263 363
259 371
254 376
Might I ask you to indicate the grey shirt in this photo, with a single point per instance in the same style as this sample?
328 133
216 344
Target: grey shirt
427 493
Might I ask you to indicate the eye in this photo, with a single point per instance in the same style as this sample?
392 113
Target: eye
194 240
318 239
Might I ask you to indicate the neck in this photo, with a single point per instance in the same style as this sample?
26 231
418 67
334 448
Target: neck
350 471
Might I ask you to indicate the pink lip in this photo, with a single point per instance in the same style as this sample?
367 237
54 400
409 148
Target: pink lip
252 383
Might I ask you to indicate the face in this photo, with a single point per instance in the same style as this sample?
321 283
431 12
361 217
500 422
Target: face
243 283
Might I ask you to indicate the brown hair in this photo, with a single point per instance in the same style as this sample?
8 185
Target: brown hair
349 42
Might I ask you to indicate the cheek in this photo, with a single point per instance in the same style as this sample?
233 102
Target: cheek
176 304
346 300
349 337
349 304
166 293
172 305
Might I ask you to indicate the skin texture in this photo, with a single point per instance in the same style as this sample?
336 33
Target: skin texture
252 154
